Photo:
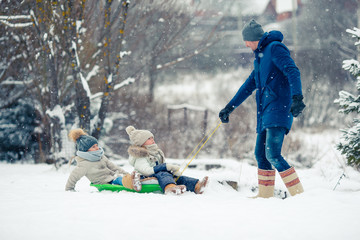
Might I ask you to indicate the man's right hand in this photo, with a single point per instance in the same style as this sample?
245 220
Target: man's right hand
225 113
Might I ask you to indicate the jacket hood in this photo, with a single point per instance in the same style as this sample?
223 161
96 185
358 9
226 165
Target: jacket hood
268 38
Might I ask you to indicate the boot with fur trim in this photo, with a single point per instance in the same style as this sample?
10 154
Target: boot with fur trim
201 185
174 189
266 180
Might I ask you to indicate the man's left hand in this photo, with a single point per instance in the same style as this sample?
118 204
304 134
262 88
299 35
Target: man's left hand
225 113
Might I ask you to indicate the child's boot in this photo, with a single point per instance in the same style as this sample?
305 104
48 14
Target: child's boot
292 181
132 181
135 176
201 185
174 189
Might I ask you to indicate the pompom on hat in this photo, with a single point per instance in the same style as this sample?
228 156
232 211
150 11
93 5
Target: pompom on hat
252 31
138 137
82 140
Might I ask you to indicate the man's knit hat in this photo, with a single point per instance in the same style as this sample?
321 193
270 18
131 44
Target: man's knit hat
252 31
138 137
82 140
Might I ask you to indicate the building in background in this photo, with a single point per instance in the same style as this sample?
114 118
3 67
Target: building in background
231 15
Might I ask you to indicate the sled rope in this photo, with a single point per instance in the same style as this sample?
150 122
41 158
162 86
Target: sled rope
188 157
208 137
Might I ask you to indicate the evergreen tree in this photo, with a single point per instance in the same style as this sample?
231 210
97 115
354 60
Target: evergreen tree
18 137
350 141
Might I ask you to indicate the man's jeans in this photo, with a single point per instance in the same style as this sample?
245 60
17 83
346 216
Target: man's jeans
268 149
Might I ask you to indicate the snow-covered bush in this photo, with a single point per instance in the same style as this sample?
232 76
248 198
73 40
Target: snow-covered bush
350 141
17 137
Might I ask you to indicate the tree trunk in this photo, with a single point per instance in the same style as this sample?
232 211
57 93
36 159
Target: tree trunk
152 79
101 115
111 68
82 99
55 128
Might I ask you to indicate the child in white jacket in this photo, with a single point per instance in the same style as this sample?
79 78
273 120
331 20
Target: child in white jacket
92 163
148 159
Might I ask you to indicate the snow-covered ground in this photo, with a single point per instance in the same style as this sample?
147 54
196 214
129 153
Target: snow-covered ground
34 205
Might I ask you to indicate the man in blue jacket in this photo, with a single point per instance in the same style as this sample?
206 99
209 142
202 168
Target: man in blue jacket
276 80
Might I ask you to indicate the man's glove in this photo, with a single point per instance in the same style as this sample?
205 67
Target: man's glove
297 105
225 113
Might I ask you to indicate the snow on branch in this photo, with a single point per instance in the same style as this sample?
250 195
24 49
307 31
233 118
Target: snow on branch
352 66
191 54
15 17
56 112
85 85
8 82
73 46
170 63
93 72
32 14
83 80
358 83
16 25
96 95
187 106
356 33
348 102
124 83
6 21
124 53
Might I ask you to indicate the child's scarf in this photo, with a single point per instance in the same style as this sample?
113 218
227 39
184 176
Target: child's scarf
156 155
92 156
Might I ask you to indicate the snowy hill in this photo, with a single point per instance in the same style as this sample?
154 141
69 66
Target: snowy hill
34 205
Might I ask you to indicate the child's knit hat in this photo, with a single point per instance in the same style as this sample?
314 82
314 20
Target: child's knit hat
138 137
82 140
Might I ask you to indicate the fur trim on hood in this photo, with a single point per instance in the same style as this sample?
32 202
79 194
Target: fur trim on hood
138 152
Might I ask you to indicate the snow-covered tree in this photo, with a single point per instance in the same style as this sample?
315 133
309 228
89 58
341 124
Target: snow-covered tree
69 57
18 136
44 57
349 103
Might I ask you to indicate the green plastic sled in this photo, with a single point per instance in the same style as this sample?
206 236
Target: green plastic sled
146 188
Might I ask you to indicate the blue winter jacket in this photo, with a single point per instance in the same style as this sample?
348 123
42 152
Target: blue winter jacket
276 79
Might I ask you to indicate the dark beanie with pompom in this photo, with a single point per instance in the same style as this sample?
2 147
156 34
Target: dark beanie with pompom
82 140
